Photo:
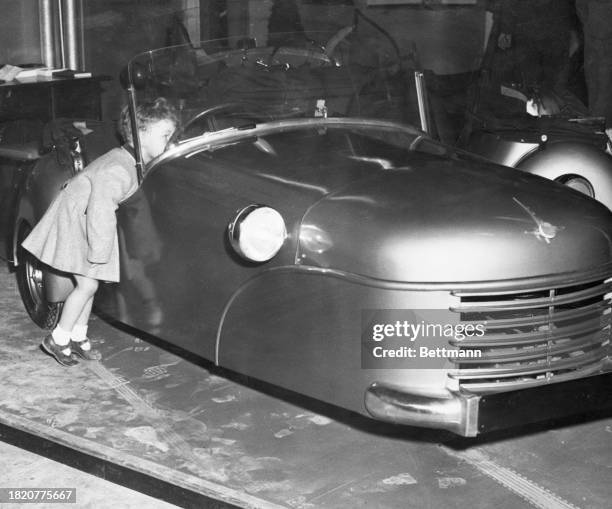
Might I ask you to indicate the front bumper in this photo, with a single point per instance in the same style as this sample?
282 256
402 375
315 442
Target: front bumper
471 414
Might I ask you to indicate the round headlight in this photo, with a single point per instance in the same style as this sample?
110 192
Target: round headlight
578 183
257 233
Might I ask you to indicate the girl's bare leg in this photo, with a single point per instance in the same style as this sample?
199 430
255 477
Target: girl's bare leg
78 304
83 318
79 341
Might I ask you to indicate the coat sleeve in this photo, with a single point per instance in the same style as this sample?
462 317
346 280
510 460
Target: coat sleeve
108 188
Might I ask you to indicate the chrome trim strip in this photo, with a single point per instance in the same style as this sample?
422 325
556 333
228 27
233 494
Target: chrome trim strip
422 100
211 139
450 286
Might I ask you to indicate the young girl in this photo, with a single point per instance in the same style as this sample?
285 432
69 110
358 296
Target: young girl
78 233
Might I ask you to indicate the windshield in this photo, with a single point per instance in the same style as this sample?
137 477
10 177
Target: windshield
235 82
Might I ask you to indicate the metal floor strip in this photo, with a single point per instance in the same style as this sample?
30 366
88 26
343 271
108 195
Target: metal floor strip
533 493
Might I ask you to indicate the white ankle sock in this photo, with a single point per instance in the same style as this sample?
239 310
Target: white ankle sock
79 333
61 338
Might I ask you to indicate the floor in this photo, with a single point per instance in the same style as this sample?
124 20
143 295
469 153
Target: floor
185 432
28 470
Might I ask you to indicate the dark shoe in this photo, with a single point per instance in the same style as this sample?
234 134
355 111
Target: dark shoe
55 350
88 355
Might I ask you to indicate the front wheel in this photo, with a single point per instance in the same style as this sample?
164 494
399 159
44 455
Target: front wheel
31 283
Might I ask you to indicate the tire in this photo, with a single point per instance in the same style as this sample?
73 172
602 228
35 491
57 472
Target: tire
30 282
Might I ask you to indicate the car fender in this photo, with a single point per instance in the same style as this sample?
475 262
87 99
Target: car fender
300 328
556 161
24 214
36 192
13 212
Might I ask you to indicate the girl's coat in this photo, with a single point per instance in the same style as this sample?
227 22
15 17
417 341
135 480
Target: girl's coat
78 233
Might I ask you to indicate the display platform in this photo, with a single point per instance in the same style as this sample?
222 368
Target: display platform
181 430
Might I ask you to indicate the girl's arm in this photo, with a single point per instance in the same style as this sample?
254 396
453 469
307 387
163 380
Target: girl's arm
108 188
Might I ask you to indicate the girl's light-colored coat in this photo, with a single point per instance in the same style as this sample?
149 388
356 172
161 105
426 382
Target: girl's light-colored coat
78 232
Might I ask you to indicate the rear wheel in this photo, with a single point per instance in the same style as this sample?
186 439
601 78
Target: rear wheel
31 283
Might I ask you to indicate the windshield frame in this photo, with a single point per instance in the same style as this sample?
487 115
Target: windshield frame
210 141
147 70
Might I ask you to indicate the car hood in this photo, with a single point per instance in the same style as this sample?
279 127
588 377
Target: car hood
449 221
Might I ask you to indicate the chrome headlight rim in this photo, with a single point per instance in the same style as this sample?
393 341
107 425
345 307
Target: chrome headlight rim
239 227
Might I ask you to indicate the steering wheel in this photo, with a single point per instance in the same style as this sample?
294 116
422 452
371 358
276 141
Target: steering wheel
209 115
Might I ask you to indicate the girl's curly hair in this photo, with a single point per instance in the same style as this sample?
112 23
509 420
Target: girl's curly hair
147 113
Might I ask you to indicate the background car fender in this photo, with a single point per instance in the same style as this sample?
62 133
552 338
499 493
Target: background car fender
558 160
24 212
33 200
10 233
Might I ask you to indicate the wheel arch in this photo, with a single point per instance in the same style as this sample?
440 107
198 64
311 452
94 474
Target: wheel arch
560 161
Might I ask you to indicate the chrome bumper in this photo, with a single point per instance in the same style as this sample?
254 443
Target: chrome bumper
471 414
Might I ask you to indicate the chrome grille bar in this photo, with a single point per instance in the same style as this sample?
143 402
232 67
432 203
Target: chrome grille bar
541 316
526 303
525 338
501 384
522 370
533 353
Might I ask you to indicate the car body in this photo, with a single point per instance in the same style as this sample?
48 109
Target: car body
271 235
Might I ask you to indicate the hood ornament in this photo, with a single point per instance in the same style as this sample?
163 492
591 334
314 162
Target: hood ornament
544 230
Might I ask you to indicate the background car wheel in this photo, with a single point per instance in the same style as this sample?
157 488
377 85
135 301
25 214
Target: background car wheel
30 281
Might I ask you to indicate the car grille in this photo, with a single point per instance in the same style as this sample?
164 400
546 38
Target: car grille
533 337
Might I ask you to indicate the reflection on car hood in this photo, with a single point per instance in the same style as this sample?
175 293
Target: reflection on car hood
445 221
